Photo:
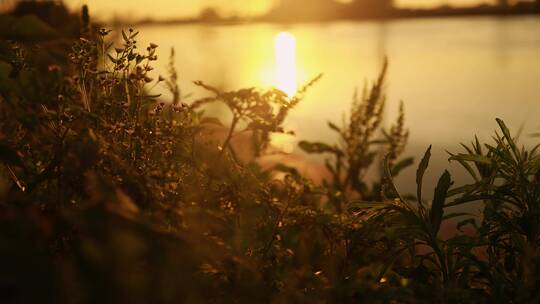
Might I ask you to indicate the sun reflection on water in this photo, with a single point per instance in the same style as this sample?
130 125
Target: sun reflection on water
286 80
286 70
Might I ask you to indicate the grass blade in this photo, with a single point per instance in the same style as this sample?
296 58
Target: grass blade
439 197
420 174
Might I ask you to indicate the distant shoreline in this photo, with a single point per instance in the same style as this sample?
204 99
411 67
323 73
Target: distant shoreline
398 14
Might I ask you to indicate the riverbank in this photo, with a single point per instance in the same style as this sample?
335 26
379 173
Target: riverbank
522 9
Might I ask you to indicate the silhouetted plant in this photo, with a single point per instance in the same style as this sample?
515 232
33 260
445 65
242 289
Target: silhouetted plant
498 261
359 146
506 180
262 112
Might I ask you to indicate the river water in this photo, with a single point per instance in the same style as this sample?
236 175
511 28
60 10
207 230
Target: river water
454 75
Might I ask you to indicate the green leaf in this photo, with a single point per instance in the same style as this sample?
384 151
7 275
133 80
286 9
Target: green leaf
471 157
395 256
465 165
390 180
420 174
126 39
477 146
359 204
468 199
465 189
113 60
506 133
316 147
401 165
334 127
439 197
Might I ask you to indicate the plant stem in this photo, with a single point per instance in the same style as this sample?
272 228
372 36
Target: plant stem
227 141
276 226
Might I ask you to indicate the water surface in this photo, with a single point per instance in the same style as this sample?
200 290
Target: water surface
454 75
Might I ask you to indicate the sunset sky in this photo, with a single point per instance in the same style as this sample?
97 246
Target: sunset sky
183 8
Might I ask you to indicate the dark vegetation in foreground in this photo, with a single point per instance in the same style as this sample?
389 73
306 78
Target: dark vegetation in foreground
109 195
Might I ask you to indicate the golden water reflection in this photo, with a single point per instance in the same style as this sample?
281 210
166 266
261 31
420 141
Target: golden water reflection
286 80
286 71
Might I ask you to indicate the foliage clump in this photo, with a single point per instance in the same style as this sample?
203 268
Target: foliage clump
112 194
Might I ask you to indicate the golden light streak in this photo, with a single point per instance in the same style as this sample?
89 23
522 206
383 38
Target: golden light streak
286 71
